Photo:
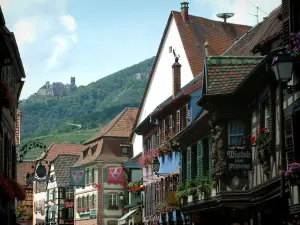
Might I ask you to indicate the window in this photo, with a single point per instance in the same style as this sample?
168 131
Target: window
93 176
124 151
85 153
265 114
69 193
112 200
87 201
235 133
70 213
53 195
79 203
170 49
82 202
87 176
93 202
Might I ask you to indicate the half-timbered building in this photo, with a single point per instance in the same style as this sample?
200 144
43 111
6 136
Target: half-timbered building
11 75
239 132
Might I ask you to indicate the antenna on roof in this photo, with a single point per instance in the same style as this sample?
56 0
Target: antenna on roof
257 9
225 15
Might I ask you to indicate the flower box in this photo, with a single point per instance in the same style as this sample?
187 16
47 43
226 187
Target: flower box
293 173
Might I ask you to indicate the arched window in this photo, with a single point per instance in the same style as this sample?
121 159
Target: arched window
78 203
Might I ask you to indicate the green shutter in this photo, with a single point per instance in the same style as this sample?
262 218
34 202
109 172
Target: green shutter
189 163
106 198
104 174
180 167
210 172
199 159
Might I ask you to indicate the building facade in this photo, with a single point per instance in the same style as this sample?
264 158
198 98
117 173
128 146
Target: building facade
184 35
11 73
40 188
60 196
98 200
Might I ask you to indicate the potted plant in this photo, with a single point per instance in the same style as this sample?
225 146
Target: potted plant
204 187
191 187
293 173
181 193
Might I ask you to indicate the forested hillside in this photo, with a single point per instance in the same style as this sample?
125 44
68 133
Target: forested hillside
89 106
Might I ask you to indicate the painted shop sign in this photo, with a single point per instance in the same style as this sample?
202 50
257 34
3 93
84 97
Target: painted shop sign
239 159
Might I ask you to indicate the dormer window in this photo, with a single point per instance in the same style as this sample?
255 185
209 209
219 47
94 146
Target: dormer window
85 153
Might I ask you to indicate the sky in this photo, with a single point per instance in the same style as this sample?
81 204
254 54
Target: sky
91 39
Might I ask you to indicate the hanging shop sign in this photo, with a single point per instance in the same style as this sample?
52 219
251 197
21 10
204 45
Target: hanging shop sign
115 175
239 159
77 177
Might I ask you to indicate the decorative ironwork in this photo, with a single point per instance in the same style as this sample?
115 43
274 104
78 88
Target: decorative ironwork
24 149
189 163
199 158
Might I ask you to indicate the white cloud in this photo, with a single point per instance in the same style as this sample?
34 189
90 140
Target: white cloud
25 31
62 44
242 9
68 22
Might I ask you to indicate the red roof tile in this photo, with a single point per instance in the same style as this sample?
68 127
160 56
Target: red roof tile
225 73
265 31
57 149
120 126
220 36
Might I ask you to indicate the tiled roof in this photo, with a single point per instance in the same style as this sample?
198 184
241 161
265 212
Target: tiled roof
99 151
17 132
62 164
57 149
220 36
22 170
225 73
265 31
120 126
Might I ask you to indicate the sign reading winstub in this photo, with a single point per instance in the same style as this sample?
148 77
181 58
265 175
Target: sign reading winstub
239 159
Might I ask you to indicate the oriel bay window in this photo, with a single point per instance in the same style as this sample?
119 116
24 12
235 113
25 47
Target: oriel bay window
236 130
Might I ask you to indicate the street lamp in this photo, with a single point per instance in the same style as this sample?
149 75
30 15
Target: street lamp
155 165
282 66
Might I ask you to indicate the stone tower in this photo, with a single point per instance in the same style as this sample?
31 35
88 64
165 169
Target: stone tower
72 81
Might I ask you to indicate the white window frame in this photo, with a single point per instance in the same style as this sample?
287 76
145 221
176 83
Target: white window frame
112 200
124 151
234 135
69 193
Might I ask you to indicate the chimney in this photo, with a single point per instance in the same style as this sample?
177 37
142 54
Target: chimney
176 76
185 11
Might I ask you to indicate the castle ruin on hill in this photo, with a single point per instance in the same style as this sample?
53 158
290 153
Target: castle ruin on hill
57 88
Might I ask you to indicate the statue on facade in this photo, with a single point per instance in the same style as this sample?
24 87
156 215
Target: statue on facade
218 154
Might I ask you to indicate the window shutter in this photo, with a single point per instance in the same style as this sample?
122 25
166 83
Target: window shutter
104 174
199 158
289 138
158 136
163 130
171 125
177 121
210 166
189 163
286 28
106 199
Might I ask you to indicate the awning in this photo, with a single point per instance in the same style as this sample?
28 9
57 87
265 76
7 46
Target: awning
122 220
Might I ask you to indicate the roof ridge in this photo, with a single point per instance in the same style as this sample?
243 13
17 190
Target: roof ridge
212 20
